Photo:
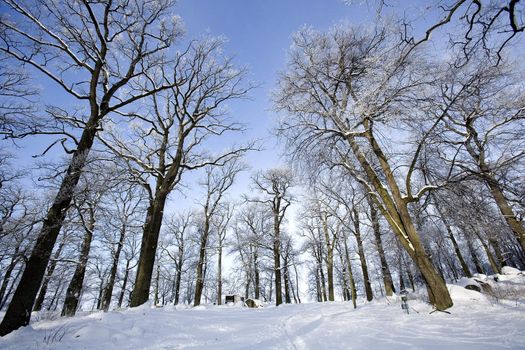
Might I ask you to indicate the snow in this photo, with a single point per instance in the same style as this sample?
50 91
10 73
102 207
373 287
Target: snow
507 270
475 322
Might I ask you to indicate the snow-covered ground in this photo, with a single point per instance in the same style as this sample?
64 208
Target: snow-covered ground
475 322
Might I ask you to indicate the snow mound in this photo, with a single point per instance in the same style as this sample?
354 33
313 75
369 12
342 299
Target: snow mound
507 270
461 296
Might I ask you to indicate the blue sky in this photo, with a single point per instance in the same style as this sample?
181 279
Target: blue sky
259 35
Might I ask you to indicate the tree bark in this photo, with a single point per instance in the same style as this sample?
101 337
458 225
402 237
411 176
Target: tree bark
18 313
43 289
350 273
462 261
385 270
287 298
108 291
157 282
148 248
256 275
124 284
75 286
329 257
277 260
475 260
362 257
395 209
199 283
7 277
219 276
494 266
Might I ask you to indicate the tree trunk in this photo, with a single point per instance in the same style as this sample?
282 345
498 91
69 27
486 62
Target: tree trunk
7 278
287 298
494 266
462 261
277 260
199 283
75 286
504 207
350 273
318 285
124 284
362 257
323 280
297 282
18 313
219 276
108 291
385 270
43 290
157 281
475 260
502 261
177 280
256 275
148 249
329 258
13 284
394 208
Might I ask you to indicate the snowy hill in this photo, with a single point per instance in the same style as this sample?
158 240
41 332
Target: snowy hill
475 322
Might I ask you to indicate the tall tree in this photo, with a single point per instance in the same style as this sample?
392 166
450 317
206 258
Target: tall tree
110 46
275 186
340 91
218 180
168 137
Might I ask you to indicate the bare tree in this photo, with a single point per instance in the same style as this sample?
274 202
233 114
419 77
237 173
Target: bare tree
483 133
109 46
221 225
341 91
178 227
480 24
169 137
122 204
275 186
218 180
253 222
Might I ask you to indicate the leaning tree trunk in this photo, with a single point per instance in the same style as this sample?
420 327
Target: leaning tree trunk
350 273
455 244
108 291
148 248
124 284
18 313
9 291
7 276
52 266
385 270
515 225
492 261
394 208
362 257
474 256
75 286
502 261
